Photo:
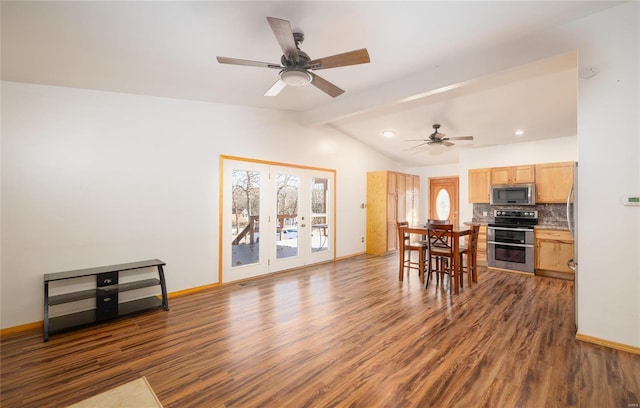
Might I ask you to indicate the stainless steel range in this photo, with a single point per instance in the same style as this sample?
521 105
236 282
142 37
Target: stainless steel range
510 240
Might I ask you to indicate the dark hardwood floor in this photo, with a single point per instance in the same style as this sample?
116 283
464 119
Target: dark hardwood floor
334 335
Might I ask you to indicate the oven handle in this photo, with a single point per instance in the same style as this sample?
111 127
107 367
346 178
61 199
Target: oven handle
508 244
511 229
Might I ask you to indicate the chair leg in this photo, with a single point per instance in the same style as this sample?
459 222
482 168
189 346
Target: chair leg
401 275
429 271
421 265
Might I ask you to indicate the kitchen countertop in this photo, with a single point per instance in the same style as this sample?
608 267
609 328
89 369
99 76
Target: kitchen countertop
550 226
562 227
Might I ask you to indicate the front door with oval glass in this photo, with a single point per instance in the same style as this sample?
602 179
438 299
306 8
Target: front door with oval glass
443 199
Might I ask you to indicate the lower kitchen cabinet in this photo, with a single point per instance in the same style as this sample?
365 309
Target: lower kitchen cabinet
482 246
553 249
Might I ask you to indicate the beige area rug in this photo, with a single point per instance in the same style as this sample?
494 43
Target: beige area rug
134 394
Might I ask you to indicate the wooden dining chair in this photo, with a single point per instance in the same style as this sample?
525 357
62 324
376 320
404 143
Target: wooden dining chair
407 248
470 252
440 250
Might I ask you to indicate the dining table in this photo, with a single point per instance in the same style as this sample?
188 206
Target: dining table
456 232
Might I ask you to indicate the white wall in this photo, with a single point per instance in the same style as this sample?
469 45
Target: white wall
609 168
94 178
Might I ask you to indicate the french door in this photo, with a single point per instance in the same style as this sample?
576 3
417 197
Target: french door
274 217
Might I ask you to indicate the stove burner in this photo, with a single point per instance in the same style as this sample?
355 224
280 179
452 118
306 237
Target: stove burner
515 219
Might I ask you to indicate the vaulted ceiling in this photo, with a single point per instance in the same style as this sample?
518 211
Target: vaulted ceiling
169 49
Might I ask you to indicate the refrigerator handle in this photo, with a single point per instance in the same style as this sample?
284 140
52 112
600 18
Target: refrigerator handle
569 217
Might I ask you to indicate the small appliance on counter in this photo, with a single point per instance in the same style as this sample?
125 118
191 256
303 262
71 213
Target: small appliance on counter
510 240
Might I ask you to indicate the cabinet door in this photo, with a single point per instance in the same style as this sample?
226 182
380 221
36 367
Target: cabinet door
501 175
513 174
479 184
412 194
553 182
392 227
482 246
377 183
523 174
553 255
553 249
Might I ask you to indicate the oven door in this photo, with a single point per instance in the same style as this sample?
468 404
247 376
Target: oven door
510 248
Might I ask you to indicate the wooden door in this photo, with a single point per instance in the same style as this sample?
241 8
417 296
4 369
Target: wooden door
443 199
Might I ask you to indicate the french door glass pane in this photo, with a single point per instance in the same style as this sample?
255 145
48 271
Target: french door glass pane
245 221
319 221
287 190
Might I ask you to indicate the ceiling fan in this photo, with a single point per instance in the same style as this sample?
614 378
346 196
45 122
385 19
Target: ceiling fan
295 64
437 138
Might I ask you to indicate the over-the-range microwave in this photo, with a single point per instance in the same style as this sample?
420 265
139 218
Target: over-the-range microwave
513 194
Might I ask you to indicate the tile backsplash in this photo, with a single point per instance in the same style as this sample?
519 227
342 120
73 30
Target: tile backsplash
548 214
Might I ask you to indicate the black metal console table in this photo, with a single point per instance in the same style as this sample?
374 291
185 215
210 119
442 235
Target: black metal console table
107 287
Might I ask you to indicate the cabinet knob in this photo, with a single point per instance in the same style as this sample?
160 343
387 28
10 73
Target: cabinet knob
107 299
106 281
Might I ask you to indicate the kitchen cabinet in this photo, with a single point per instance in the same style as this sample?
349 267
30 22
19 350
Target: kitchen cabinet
479 185
391 197
481 257
553 182
553 249
513 174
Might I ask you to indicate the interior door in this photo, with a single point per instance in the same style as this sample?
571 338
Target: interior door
443 199
274 217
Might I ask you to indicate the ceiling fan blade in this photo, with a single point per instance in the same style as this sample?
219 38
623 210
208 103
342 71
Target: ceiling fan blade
416 140
249 63
461 138
284 34
340 60
447 144
276 88
418 145
326 86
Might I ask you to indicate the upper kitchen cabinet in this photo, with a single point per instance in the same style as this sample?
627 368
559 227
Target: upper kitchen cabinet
479 185
391 197
513 174
553 182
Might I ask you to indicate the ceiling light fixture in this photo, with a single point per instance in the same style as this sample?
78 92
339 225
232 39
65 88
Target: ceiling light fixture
519 132
295 77
388 133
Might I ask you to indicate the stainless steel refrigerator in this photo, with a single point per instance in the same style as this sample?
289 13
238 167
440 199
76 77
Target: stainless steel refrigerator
572 218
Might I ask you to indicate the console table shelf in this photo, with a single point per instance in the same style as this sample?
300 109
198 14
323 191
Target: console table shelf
105 293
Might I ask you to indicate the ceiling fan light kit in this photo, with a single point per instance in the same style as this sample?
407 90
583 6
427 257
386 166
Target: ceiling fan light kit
295 76
295 64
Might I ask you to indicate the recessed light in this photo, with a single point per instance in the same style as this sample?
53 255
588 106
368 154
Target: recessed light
388 133
519 132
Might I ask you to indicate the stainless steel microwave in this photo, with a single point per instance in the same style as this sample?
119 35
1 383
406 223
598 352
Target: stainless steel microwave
513 194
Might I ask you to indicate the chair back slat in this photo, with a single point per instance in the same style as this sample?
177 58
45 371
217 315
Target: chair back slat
440 237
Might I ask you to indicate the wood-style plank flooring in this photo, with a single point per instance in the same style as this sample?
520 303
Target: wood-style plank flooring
334 335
